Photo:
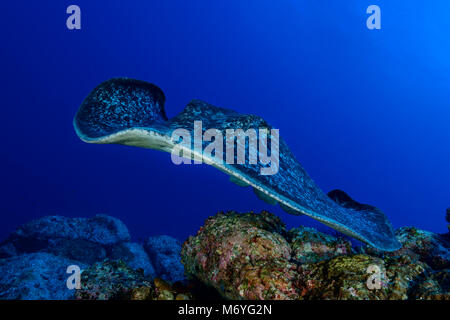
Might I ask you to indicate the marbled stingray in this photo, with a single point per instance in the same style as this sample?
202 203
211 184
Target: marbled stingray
131 112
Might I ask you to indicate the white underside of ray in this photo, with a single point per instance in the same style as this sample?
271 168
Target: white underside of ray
152 140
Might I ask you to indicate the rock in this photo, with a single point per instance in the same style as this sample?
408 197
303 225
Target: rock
87 240
112 280
164 253
35 276
233 256
428 247
99 229
166 295
7 250
243 256
182 296
141 293
134 255
436 287
311 246
251 256
80 250
447 218
355 278
403 274
82 239
165 291
342 278
425 246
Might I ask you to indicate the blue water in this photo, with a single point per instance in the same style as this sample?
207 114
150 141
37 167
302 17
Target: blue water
366 111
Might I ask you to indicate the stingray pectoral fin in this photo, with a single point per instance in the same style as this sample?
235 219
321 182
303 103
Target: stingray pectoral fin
131 112
238 182
265 197
118 105
290 210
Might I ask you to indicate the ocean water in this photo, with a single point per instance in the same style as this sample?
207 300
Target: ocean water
365 111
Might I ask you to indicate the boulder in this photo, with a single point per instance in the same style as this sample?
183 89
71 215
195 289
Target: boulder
242 256
251 256
101 229
311 246
112 280
164 253
86 240
134 255
35 276
115 280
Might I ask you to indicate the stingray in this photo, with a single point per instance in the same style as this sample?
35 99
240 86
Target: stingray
131 112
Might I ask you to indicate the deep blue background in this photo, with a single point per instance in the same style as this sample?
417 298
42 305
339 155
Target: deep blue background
364 111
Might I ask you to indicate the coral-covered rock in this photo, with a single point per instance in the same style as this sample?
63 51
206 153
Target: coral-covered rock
35 276
447 218
361 277
165 291
134 255
164 253
310 246
112 280
141 293
428 247
344 277
243 256
425 246
264 280
435 287
251 256
233 256
403 274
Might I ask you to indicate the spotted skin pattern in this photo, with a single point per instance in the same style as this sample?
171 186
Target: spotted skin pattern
121 106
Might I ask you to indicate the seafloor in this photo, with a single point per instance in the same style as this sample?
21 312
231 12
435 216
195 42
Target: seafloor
233 256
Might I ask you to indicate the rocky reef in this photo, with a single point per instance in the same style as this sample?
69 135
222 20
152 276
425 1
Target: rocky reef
232 256
35 257
447 218
115 280
36 276
253 256
165 253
